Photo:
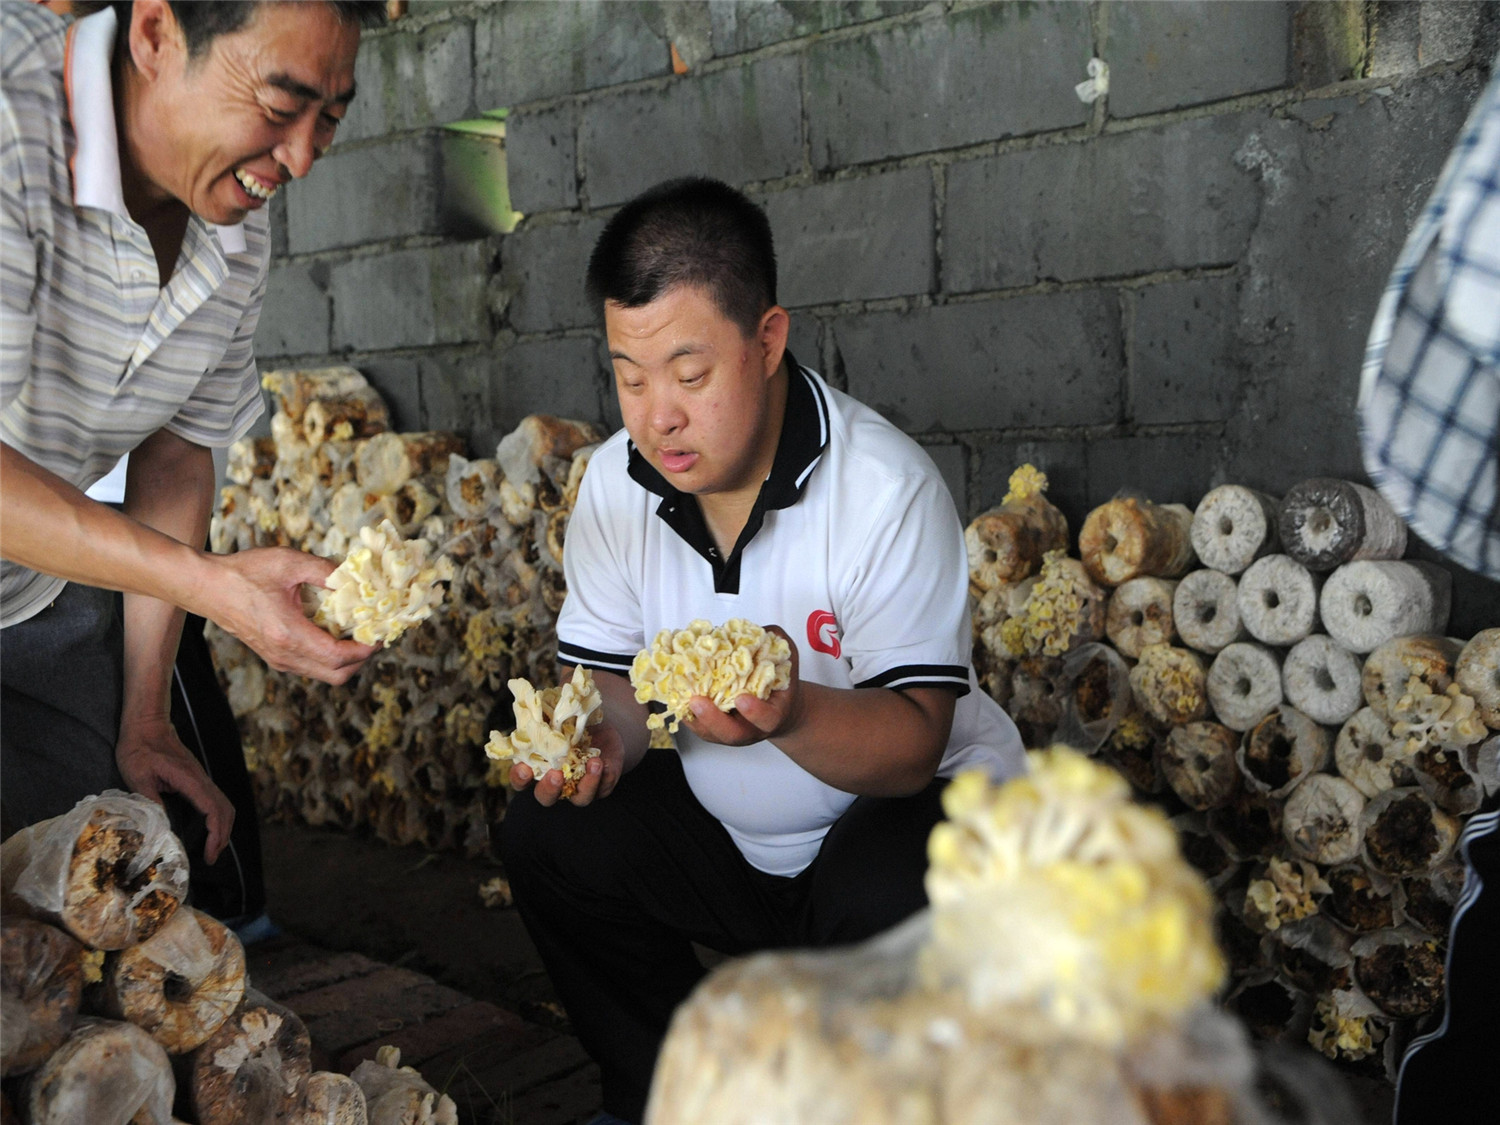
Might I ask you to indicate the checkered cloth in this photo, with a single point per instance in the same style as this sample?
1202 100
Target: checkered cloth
1429 398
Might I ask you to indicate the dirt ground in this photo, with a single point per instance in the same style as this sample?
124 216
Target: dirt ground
406 907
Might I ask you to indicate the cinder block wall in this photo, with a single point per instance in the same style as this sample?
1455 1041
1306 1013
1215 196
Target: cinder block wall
1165 290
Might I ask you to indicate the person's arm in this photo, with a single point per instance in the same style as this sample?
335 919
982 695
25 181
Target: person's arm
169 487
50 526
622 739
873 742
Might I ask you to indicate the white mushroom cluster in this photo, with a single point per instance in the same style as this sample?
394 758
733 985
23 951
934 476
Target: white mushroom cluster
382 588
1294 703
552 728
721 662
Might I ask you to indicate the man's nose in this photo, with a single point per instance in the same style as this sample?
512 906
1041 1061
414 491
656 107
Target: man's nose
297 151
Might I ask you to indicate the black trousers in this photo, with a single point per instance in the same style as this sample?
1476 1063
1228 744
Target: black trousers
614 895
1449 1074
61 675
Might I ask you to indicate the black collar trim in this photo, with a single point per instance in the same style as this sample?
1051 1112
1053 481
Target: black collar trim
804 437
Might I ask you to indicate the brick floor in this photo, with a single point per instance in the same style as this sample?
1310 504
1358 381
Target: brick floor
498 1068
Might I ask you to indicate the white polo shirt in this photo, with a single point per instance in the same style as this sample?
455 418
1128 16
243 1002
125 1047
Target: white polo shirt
853 547
95 354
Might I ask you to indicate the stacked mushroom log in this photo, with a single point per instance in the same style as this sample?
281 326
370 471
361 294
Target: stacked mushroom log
399 747
1277 676
122 1004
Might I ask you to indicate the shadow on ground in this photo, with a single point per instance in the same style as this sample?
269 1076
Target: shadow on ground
367 924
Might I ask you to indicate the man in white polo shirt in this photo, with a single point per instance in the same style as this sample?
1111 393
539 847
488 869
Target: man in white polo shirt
136 158
742 486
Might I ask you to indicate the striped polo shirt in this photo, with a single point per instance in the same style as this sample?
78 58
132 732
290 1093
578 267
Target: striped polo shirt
853 547
95 355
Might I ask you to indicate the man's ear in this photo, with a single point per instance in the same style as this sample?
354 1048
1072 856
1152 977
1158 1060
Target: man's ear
775 323
155 36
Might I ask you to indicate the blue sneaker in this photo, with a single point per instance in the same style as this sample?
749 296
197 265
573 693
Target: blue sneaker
258 929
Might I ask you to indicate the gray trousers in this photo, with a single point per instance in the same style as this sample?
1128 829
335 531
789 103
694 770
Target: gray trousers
61 677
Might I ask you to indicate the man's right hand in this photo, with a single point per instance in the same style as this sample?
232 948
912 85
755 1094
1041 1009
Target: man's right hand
260 602
600 775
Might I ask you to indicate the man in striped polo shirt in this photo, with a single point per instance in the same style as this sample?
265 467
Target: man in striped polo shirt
742 485
138 149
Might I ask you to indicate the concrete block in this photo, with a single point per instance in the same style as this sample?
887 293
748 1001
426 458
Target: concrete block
1396 38
805 341
1185 365
1050 360
368 194
412 298
557 376
974 75
295 316
1063 459
278 225
1170 197
744 25
1163 55
543 269
1341 183
1173 468
1449 30
455 390
399 381
541 151
953 462
526 52
741 124
1330 42
410 80
853 240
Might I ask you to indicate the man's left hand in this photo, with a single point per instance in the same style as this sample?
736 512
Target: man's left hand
153 761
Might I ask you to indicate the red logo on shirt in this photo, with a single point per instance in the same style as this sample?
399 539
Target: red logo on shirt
823 632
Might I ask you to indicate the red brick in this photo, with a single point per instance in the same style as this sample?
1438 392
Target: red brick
555 1058
287 972
373 1007
476 1027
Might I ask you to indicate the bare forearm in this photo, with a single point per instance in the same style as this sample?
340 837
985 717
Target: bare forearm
50 526
628 717
871 741
170 488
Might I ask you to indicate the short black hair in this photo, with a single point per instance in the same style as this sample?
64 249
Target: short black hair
693 231
202 22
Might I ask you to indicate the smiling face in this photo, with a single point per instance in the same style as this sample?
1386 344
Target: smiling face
222 132
701 400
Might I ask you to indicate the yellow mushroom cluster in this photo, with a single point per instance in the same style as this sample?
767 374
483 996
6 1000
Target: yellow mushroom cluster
1063 610
1026 482
721 662
1284 894
1424 717
552 728
382 588
1056 893
1343 1027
